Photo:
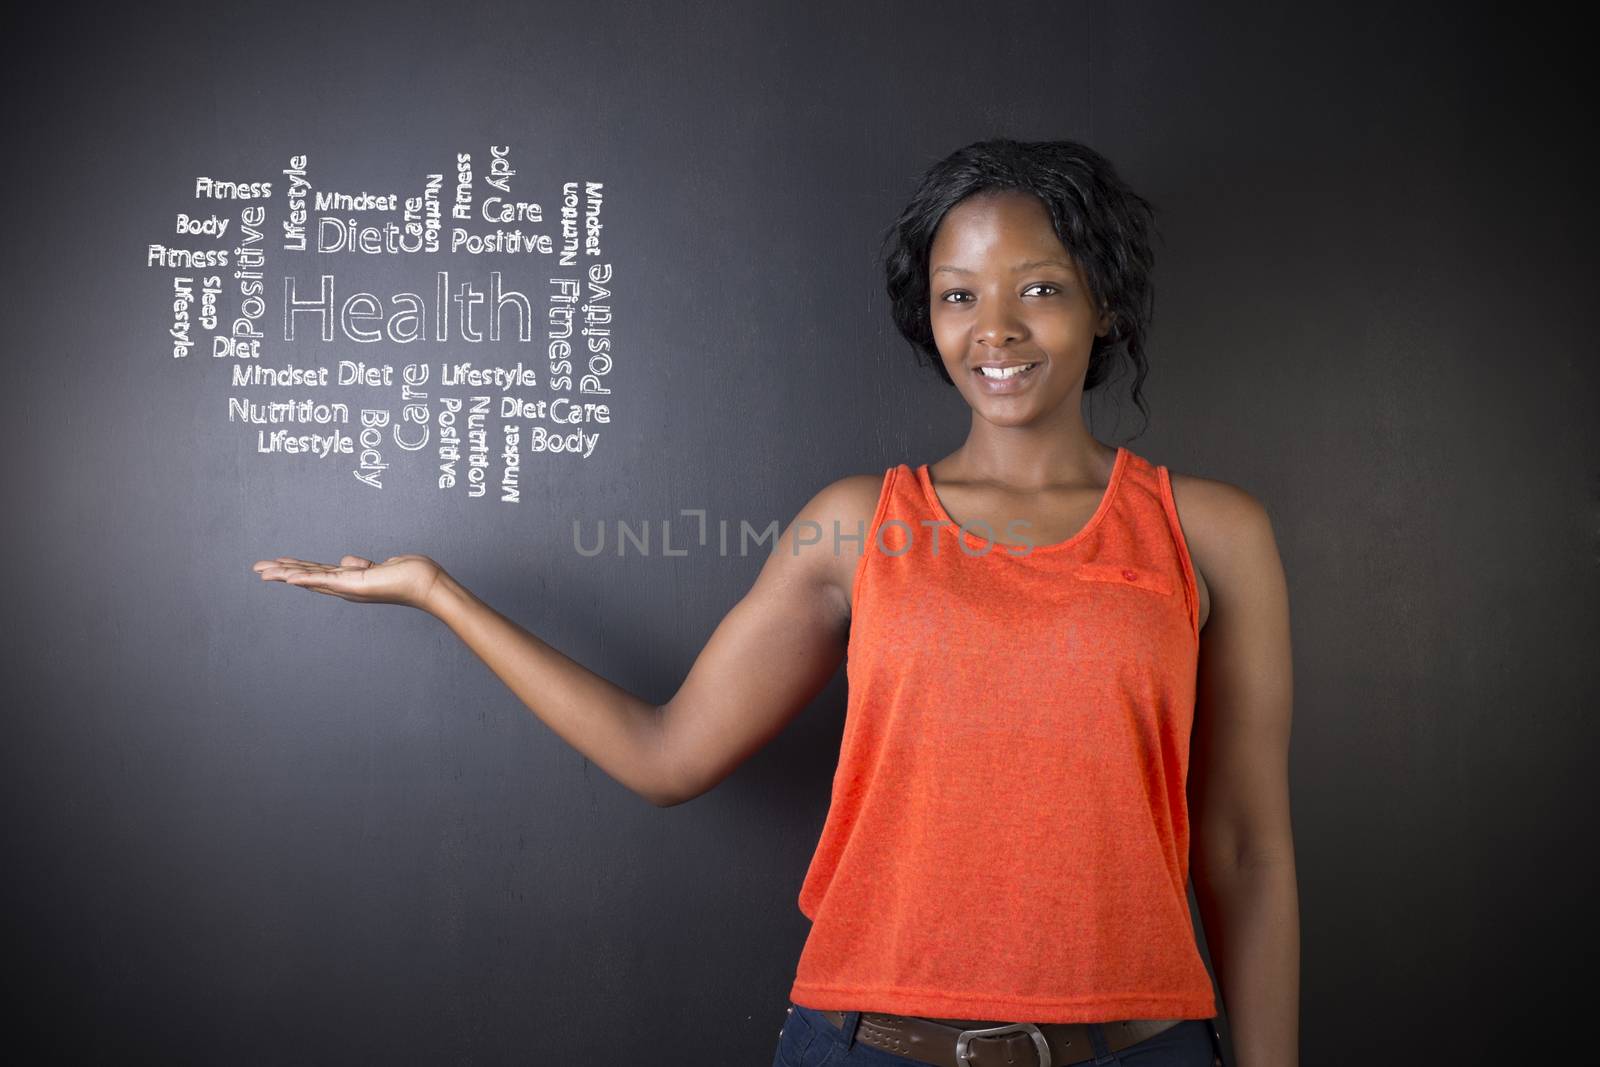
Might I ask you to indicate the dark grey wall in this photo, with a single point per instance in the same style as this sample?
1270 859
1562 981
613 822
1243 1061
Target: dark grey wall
245 824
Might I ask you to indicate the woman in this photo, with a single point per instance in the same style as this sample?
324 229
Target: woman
1035 720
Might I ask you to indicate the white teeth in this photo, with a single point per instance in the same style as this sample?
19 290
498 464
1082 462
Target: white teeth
1008 372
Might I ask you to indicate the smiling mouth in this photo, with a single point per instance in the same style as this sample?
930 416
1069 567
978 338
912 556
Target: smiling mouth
1005 374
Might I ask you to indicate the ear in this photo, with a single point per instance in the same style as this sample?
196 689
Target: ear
1103 326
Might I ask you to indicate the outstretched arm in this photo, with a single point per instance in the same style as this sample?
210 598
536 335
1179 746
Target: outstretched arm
768 658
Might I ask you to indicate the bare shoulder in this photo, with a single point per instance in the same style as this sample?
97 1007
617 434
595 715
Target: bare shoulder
1229 533
852 494
829 532
1218 510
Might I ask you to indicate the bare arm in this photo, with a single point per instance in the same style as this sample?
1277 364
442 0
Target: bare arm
618 731
776 649
765 662
1243 848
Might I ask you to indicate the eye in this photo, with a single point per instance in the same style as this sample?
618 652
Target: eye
1052 290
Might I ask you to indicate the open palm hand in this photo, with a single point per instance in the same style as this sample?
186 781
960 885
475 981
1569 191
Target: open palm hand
403 580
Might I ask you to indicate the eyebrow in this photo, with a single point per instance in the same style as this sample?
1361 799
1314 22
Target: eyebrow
1030 265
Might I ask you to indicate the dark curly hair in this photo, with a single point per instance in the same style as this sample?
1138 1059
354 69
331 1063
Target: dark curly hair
1104 224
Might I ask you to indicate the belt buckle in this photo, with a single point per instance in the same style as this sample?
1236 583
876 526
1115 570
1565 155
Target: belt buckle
999 1031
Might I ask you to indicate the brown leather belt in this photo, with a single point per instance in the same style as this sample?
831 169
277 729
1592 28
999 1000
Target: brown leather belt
978 1043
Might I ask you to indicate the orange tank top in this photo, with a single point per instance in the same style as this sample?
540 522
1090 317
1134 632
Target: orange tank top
1008 836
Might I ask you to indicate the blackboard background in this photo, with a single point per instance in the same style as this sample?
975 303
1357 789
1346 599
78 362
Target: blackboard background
245 824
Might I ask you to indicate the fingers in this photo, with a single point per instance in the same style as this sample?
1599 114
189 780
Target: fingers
322 577
282 561
345 562
279 572
352 578
334 581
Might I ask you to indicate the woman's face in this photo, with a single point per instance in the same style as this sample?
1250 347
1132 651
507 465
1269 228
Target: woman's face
1003 290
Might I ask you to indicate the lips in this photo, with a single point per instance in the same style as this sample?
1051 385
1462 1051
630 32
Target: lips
1012 382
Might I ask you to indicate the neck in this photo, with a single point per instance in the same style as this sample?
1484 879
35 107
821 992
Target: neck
1030 456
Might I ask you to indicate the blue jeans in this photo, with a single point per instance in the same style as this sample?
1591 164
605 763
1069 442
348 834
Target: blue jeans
808 1039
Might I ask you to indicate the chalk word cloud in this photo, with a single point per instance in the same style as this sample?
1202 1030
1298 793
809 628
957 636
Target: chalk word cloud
448 330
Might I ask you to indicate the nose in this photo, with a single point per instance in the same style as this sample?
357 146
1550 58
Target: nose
997 325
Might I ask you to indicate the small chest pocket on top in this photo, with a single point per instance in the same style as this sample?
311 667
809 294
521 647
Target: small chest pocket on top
1135 577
